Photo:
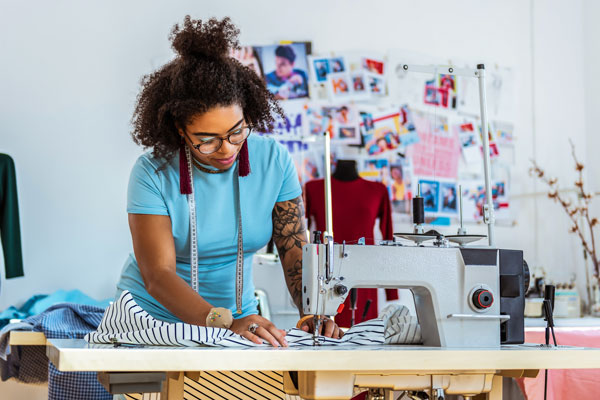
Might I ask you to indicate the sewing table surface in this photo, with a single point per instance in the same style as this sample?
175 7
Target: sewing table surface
78 355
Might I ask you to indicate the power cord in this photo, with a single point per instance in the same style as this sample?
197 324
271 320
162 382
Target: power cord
548 304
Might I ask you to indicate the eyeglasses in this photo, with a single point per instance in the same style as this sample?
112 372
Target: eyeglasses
212 145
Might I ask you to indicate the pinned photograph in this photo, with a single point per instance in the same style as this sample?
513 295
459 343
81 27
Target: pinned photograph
337 64
360 89
447 82
367 124
247 56
469 142
319 120
449 197
376 85
431 93
358 83
430 194
474 200
376 170
385 134
340 85
346 124
373 66
400 186
285 68
504 133
441 91
309 163
320 68
407 131
494 151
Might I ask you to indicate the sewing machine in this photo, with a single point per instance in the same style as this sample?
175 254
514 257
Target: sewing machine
464 297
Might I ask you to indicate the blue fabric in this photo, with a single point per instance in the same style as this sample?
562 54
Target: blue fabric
60 321
70 321
27 364
154 189
40 302
22 312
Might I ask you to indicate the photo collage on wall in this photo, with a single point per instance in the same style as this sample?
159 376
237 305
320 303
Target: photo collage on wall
403 130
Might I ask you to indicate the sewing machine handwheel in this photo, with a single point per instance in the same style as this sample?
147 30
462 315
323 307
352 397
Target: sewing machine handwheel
482 298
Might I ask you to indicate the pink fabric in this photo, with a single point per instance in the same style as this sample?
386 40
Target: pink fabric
580 384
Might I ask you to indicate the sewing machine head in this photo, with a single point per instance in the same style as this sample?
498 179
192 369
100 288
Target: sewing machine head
464 297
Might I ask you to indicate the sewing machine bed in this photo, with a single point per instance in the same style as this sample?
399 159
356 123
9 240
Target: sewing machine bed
78 355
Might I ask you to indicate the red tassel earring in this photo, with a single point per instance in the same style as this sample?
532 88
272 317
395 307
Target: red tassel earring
185 185
244 161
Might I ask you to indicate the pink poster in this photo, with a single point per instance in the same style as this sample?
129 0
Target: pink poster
438 150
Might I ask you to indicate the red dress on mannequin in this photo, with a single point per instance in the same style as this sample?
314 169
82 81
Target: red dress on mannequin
356 204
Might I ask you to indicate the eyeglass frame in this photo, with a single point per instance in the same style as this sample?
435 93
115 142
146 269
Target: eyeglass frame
221 139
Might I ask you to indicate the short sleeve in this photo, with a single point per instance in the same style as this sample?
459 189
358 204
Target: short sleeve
290 187
144 195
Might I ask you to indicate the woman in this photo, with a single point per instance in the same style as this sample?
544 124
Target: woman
210 195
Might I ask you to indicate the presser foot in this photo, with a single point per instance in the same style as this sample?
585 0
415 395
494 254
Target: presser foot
317 323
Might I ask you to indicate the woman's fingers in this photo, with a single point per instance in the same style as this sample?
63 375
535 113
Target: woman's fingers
278 334
266 335
252 337
329 327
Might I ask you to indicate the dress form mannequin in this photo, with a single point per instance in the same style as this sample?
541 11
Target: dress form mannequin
357 203
345 170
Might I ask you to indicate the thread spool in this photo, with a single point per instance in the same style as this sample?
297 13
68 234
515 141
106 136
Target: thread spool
418 210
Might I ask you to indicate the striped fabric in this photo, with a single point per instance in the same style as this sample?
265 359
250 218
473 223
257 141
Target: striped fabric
126 322
400 326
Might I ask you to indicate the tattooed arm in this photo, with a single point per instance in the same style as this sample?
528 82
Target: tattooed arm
289 235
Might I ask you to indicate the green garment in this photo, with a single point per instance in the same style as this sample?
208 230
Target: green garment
10 230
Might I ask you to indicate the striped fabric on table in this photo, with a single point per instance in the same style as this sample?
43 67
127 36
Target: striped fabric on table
126 322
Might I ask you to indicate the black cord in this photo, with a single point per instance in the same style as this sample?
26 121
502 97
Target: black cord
549 328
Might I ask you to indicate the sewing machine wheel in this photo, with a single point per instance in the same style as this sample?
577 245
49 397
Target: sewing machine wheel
464 239
418 238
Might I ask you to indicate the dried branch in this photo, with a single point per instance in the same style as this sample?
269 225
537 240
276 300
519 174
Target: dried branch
575 213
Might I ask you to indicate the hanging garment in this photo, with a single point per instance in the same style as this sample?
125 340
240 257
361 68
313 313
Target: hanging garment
126 322
10 230
356 204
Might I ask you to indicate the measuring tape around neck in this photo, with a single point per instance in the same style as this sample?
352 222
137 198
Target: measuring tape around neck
239 267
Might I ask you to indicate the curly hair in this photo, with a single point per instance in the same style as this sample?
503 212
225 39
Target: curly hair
201 77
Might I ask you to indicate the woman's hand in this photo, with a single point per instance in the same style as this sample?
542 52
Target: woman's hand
266 330
328 328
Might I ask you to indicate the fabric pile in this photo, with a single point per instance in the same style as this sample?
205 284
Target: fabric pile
126 322
29 364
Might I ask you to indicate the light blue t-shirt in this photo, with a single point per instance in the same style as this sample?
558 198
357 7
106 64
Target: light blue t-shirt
154 189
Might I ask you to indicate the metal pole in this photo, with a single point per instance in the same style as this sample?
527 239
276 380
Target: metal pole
328 208
488 207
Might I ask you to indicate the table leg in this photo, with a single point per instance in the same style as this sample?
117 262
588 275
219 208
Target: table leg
172 386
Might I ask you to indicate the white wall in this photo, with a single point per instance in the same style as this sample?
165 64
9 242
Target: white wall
70 71
592 88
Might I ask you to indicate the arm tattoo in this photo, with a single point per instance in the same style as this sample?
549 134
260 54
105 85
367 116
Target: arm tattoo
289 235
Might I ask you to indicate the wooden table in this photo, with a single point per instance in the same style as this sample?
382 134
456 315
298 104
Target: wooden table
331 372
